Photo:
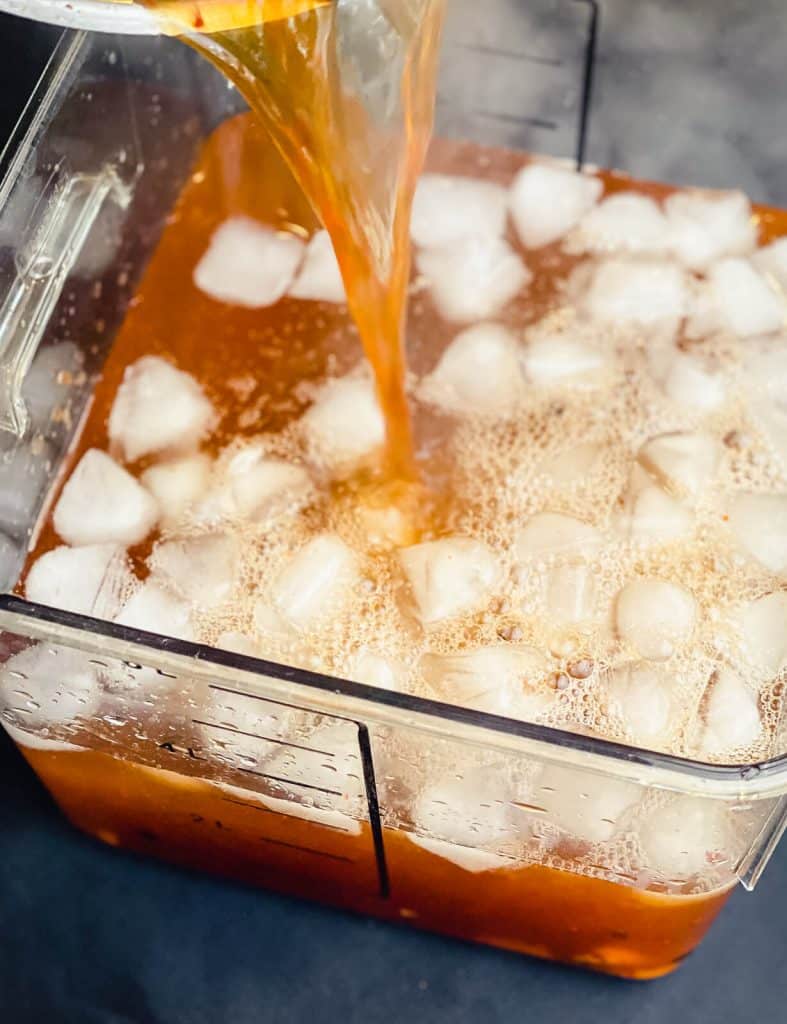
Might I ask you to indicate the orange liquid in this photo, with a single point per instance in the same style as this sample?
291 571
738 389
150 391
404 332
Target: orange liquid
251 370
529 909
322 82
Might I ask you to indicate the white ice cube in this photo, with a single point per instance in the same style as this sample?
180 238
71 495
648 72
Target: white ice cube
103 504
695 383
320 278
570 594
655 616
449 577
316 582
345 423
624 222
731 715
704 227
586 806
260 486
552 533
553 360
746 303
474 278
50 381
637 292
478 372
156 609
375 669
547 201
177 484
268 621
762 625
238 643
44 687
657 517
248 264
684 837
641 696
572 465
682 463
158 408
500 679
771 261
448 208
759 522
203 570
72 578
463 813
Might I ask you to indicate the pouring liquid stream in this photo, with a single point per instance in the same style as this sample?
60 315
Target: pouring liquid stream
346 91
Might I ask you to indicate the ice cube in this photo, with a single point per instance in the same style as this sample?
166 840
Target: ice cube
461 813
759 522
375 669
771 261
268 621
260 486
625 221
656 517
547 201
316 582
500 679
157 610
177 484
474 278
695 383
570 594
248 264
655 616
72 578
637 292
449 577
762 624
641 696
45 687
203 570
50 381
684 837
747 305
732 717
448 208
25 475
552 533
586 806
158 408
103 504
345 423
704 227
683 463
478 372
553 360
238 643
320 278
572 464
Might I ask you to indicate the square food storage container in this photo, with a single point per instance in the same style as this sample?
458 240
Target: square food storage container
384 803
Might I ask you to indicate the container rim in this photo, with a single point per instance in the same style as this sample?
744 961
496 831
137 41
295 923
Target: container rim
240 673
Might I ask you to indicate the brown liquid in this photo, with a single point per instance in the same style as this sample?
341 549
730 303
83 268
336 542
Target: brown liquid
530 909
251 370
322 81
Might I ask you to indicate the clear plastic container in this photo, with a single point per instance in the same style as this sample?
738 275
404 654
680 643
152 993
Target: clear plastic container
504 832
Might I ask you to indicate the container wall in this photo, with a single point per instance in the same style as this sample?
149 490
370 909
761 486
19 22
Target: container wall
376 814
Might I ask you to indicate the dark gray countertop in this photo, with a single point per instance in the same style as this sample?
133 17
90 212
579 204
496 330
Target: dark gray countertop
93 936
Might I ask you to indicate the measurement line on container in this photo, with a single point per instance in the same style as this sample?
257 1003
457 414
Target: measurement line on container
291 782
533 122
280 814
306 849
267 739
500 51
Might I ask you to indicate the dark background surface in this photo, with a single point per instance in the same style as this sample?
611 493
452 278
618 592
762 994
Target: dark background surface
93 936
